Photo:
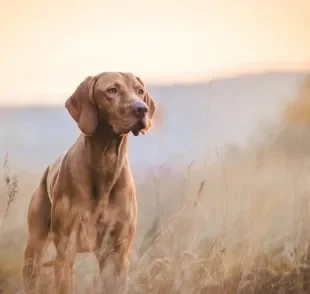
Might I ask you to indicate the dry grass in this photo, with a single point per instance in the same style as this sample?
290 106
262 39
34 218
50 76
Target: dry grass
239 225
298 111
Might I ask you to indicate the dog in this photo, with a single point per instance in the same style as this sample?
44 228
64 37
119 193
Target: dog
86 199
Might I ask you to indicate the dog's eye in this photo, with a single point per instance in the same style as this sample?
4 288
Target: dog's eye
140 92
112 90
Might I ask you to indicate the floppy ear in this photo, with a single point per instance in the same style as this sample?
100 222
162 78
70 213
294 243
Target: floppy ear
148 100
81 107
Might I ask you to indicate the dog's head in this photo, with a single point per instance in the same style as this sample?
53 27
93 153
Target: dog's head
118 99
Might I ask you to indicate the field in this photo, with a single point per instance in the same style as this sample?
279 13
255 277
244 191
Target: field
239 224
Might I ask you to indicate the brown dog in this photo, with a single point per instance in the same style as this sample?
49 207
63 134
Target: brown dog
86 198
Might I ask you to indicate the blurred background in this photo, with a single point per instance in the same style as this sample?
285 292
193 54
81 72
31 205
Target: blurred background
215 68
230 78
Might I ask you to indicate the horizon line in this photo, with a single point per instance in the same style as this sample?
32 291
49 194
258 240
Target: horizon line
199 82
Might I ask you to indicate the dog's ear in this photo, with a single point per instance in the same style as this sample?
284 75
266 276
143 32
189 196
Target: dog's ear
81 106
148 100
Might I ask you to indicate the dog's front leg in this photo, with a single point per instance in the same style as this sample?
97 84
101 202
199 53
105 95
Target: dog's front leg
32 264
66 252
113 271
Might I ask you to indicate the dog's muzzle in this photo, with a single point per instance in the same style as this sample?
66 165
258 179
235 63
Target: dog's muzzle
140 110
139 126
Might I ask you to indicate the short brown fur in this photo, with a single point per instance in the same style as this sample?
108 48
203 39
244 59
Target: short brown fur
86 198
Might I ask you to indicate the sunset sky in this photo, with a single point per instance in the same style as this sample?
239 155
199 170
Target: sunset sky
48 47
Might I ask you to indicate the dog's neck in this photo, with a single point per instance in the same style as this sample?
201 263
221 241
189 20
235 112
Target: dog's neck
103 141
107 155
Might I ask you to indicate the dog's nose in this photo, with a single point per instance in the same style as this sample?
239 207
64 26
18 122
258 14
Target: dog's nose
140 109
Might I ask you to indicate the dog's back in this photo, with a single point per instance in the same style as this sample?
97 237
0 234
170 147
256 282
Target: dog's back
52 175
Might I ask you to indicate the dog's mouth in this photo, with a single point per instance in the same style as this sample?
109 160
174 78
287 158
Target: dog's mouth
139 126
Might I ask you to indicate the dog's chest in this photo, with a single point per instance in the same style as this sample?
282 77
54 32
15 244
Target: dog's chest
100 230
104 174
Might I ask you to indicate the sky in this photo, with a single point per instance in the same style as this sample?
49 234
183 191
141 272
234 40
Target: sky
48 47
